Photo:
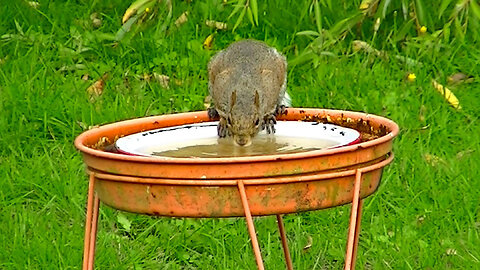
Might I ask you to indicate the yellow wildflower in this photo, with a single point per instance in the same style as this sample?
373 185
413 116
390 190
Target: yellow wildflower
411 77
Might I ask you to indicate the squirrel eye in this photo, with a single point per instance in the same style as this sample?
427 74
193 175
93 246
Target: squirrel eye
257 122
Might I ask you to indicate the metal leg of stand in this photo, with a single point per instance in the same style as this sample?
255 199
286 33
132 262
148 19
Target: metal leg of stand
250 225
283 236
90 226
357 233
93 236
354 229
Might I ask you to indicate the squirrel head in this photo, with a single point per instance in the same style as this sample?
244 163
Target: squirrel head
244 126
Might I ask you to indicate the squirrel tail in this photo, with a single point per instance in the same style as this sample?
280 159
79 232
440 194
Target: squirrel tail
286 100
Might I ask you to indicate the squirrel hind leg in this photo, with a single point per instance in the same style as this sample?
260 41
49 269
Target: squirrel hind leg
222 128
269 122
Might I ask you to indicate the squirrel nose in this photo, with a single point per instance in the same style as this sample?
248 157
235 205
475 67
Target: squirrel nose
243 140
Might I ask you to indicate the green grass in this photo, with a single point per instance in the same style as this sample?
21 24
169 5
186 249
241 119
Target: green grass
425 215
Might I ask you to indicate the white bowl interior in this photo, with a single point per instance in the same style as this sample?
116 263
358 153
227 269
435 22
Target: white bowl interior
289 136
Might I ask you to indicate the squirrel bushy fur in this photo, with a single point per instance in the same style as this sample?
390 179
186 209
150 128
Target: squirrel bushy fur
247 83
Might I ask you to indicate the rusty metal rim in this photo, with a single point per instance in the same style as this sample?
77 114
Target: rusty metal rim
79 141
258 181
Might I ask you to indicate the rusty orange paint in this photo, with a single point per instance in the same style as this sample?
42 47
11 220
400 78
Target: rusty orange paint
208 187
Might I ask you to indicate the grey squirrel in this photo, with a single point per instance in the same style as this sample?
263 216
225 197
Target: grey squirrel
247 83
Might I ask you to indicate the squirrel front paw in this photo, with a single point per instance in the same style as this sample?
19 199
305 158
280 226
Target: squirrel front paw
222 128
269 122
213 113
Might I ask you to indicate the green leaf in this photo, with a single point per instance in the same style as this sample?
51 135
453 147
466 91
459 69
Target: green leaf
135 23
475 8
345 25
250 16
254 6
446 32
327 3
457 9
405 9
408 61
135 7
304 57
19 28
123 220
459 30
308 33
166 21
126 27
443 7
420 13
318 17
403 31
317 44
240 4
382 9
239 19
104 36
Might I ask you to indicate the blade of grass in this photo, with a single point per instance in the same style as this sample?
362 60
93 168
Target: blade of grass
420 13
403 31
446 32
135 7
250 15
318 16
459 30
126 27
254 6
345 25
240 4
239 19
475 8
382 9
405 9
443 7
308 33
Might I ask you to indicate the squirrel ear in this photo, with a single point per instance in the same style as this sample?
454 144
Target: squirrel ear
257 99
233 99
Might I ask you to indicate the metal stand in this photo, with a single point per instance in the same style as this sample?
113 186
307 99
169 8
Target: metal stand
355 219
90 226
353 231
352 242
283 236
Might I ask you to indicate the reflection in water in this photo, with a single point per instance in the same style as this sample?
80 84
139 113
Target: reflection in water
224 147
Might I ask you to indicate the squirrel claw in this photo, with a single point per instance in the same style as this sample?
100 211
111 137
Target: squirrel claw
222 128
212 113
269 122
281 110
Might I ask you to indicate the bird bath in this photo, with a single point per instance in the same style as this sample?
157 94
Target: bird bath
239 186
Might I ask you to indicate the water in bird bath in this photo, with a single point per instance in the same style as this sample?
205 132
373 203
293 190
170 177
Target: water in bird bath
261 145
201 141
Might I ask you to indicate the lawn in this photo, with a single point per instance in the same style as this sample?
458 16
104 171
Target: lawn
64 67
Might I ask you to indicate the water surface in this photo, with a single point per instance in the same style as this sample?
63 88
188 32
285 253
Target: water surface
224 147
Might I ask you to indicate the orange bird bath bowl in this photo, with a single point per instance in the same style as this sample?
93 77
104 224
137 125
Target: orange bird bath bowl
237 186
